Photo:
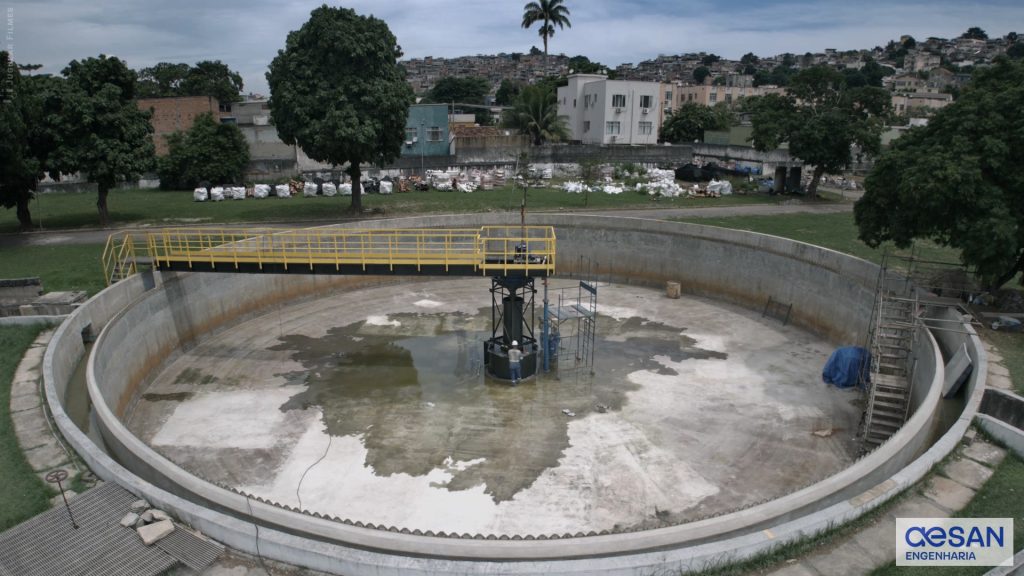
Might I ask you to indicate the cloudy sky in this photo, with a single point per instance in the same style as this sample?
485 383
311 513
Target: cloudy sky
247 34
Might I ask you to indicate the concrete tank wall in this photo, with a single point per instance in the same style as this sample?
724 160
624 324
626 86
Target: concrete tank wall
831 295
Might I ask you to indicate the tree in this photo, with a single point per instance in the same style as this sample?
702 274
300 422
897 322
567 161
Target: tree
163 80
213 78
19 169
975 33
1016 50
507 92
337 91
467 90
535 113
957 181
821 119
689 122
551 13
206 78
700 73
99 130
583 65
710 59
208 151
749 58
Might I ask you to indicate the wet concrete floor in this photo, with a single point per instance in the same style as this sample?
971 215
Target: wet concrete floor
373 405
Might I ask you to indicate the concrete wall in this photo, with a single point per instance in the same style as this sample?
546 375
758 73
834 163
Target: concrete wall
831 295
572 154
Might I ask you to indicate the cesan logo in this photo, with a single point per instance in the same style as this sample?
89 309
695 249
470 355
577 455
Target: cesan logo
954 541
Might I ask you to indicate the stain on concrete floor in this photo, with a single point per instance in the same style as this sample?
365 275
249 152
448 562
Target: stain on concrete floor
414 388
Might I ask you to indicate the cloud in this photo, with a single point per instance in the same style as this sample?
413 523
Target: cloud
247 35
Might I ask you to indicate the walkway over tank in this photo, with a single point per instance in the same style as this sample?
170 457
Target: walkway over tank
487 251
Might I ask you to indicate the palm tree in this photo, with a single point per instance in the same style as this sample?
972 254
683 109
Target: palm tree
535 113
550 12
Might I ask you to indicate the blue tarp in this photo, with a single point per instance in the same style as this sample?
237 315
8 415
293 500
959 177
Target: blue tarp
845 365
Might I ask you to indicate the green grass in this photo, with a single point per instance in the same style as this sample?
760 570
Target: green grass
58 211
835 231
1011 348
60 266
23 495
1001 497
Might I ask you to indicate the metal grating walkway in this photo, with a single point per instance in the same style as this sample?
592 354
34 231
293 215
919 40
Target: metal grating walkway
48 545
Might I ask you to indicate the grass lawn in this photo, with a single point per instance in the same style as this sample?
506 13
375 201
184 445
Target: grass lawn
61 267
1001 497
1011 348
66 210
835 231
23 494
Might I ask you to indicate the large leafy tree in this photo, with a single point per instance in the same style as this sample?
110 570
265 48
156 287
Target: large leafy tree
822 120
535 113
958 180
507 92
19 169
162 80
208 151
213 78
689 122
549 13
206 78
338 92
468 90
98 129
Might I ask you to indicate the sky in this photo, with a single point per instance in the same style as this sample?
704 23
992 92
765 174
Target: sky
246 35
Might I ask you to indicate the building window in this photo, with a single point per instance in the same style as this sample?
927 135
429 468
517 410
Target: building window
728 98
573 102
668 96
689 97
224 107
434 134
619 101
714 97
586 125
646 100
410 134
612 128
646 128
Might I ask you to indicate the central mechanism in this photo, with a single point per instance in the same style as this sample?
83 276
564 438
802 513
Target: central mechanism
512 313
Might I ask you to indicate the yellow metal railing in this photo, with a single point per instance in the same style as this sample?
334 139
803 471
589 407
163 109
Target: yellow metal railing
119 257
489 250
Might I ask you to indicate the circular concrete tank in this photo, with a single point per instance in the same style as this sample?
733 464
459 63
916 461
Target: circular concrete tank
371 405
155 328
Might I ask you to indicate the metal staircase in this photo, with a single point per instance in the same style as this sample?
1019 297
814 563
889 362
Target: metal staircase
895 325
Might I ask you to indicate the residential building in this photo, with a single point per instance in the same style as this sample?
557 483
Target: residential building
175 114
906 83
269 156
920 60
603 111
919 103
426 131
708 94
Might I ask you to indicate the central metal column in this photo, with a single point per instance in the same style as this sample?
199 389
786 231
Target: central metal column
512 317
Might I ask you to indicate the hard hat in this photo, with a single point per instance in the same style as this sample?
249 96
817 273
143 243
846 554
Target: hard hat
515 343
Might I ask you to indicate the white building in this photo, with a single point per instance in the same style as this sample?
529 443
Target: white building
603 111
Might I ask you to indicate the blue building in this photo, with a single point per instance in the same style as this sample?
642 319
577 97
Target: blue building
426 131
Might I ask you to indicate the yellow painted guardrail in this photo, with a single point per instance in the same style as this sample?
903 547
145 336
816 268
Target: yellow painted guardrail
488 250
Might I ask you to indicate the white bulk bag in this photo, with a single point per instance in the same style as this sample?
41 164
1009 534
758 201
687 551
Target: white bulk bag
216 193
283 191
261 191
309 189
386 187
238 193
200 195
329 189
